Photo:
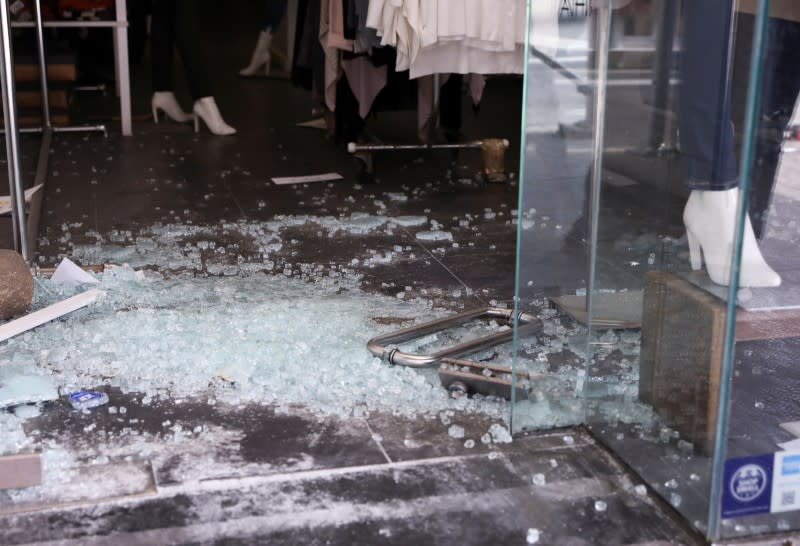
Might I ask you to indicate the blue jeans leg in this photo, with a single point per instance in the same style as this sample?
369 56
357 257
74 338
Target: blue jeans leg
706 130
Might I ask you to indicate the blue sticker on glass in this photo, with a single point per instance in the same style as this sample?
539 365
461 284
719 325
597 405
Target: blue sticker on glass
747 486
791 465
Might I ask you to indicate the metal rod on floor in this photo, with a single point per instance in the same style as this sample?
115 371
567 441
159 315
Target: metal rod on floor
37 10
475 145
66 129
99 128
12 134
604 15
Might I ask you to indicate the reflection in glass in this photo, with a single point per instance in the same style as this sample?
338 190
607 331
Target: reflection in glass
635 122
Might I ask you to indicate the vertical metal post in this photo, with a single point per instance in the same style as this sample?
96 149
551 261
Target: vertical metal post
122 66
523 162
437 91
660 139
12 132
37 9
604 14
433 124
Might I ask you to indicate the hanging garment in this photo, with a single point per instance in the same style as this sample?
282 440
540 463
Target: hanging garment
367 38
308 70
366 81
336 26
458 58
331 67
392 20
453 36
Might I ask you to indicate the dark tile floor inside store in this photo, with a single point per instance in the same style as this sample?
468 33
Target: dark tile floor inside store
288 475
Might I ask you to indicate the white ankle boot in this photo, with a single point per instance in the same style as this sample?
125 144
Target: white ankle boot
206 109
167 103
710 219
261 56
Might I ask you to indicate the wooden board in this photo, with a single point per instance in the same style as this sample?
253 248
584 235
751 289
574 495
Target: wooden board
683 337
620 310
55 72
753 326
52 312
782 9
23 470
33 117
683 331
31 97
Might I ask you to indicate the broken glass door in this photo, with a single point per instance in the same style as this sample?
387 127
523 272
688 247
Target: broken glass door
645 119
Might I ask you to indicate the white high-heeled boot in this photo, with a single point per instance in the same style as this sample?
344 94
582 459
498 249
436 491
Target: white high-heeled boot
261 56
207 110
710 219
167 103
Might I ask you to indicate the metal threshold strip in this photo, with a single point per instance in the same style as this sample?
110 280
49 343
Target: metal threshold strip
385 348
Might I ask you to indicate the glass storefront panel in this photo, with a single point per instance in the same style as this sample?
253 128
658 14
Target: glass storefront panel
552 212
757 477
668 141
637 148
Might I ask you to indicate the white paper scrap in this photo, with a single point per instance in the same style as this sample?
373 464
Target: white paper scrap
5 200
52 312
69 272
791 445
318 123
327 177
792 427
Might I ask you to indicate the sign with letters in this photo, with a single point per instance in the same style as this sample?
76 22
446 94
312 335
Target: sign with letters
763 484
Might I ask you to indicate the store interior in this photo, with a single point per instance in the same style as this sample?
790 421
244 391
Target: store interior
231 333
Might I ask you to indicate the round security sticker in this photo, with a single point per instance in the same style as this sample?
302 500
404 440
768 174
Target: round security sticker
748 482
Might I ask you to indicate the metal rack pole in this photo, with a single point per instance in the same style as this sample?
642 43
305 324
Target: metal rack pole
354 147
661 125
12 134
433 124
37 9
122 69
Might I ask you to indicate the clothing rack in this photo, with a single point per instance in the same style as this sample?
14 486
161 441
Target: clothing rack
25 227
350 33
493 149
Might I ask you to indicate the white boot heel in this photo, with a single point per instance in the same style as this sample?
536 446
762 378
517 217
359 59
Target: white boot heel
261 56
207 110
695 252
710 220
167 103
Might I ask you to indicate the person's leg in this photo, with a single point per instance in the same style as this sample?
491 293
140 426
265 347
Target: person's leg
189 44
450 107
162 43
706 131
274 10
780 88
349 122
274 13
708 148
